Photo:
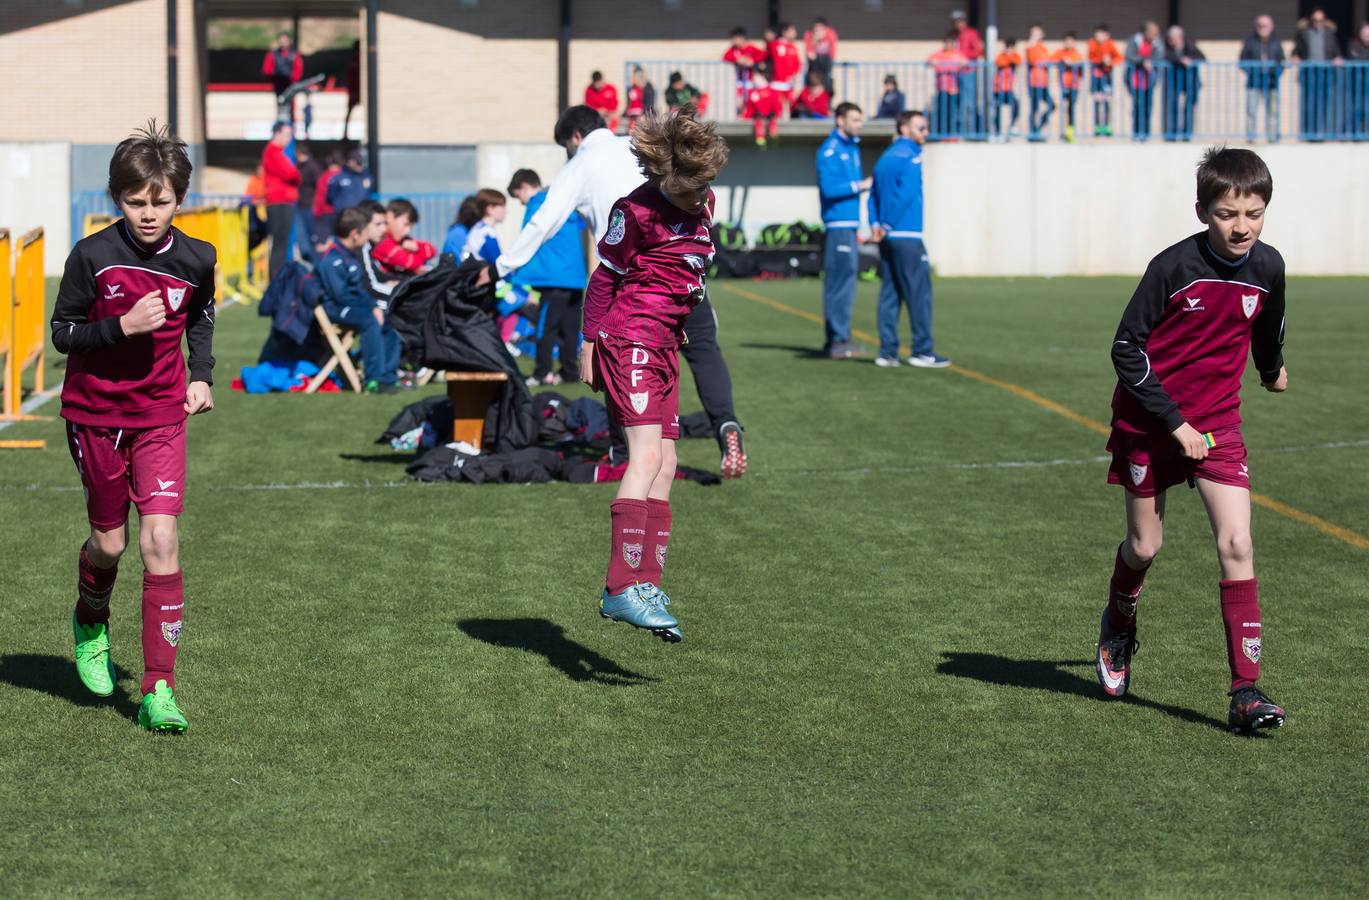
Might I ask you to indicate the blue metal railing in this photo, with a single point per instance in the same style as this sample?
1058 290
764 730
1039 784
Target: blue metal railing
975 101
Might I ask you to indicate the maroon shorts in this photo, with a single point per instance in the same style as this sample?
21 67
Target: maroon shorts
1149 464
641 383
145 466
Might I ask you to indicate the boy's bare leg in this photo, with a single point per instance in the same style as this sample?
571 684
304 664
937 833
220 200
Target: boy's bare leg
163 599
1228 510
644 457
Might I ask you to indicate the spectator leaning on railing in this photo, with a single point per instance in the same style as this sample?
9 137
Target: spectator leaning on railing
1071 66
1318 44
1005 75
282 65
820 46
744 56
1262 59
947 65
1144 50
1182 83
1038 84
1358 52
786 62
1103 58
971 46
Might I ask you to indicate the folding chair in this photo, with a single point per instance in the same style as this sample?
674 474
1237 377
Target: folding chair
340 340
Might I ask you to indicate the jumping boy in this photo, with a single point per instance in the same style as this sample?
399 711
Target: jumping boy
651 275
128 295
1201 307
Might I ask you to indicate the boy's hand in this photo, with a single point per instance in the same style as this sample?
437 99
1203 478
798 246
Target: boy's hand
198 399
587 364
1191 443
410 244
147 315
876 234
1278 385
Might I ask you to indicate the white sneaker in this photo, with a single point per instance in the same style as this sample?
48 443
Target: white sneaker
929 361
885 362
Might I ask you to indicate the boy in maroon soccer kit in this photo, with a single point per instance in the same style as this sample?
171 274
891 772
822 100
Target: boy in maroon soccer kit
128 295
1201 307
653 259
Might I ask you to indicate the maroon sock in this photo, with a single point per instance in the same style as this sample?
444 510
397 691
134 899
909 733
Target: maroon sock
1241 618
1123 592
629 537
94 586
657 537
163 603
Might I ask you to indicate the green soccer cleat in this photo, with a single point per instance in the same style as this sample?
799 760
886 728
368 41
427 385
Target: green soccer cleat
160 713
93 664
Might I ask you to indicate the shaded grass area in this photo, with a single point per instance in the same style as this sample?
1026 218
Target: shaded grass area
885 686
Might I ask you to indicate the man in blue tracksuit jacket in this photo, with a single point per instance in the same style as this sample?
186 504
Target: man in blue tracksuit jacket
557 272
348 303
896 222
840 182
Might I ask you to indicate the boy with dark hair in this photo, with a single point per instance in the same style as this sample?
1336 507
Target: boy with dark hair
1071 64
1103 58
398 252
129 293
1004 89
352 185
347 301
1038 84
653 259
744 56
602 97
680 93
379 285
557 272
1202 306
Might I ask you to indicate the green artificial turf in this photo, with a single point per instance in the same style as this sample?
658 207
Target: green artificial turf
885 686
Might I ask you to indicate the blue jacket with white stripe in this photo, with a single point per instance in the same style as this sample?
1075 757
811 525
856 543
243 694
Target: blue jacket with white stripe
839 177
896 198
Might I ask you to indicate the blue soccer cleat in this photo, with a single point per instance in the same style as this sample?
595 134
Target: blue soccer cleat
642 606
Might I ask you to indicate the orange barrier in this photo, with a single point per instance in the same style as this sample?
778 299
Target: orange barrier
97 222
6 314
226 229
27 311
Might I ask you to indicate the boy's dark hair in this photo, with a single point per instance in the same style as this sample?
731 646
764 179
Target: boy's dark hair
890 79
737 32
1070 34
334 158
676 76
351 219
279 127
1102 27
401 207
785 26
372 208
468 213
678 152
487 197
1009 42
150 156
596 75
357 156
1225 169
577 120
845 107
522 177
819 21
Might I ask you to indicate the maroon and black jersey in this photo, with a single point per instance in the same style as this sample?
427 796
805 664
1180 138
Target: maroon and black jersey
1182 345
133 382
652 263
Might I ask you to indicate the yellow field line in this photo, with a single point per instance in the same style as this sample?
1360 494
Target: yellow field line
1331 529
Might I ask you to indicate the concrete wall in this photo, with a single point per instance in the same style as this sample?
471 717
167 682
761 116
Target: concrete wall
35 191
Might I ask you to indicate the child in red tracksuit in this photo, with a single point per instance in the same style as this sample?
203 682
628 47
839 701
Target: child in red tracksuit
764 105
652 263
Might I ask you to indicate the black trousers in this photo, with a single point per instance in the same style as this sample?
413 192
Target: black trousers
280 221
560 328
706 364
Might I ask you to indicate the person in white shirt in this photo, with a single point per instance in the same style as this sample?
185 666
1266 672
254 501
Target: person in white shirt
600 170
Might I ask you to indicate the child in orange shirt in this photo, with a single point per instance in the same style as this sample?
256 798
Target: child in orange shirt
1038 82
947 64
1071 65
1005 74
1103 58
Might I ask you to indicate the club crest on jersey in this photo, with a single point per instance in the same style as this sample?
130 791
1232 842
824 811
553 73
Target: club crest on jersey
617 228
1138 474
696 261
171 632
632 554
639 401
1251 648
1248 304
174 296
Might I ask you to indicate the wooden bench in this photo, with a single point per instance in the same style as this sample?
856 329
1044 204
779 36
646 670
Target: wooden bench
472 394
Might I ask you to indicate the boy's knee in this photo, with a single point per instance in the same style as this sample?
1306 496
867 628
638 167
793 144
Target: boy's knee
1236 546
1144 549
160 541
109 544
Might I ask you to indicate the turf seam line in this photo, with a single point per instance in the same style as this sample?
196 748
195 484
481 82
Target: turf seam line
1326 527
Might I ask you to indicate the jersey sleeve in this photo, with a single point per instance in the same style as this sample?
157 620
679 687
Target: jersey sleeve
1129 357
199 326
623 239
72 330
1267 331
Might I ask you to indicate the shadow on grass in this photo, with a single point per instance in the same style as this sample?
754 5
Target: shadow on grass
576 661
1052 675
56 675
401 458
799 352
